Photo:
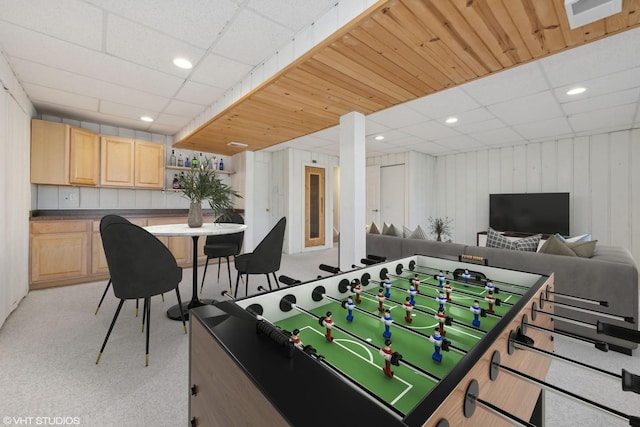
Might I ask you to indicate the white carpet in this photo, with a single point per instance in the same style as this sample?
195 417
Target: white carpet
49 344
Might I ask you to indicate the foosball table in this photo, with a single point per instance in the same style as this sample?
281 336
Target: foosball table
410 342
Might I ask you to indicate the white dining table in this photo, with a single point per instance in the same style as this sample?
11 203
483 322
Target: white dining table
183 230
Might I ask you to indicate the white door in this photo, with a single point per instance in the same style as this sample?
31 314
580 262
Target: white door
261 199
392 187
373 195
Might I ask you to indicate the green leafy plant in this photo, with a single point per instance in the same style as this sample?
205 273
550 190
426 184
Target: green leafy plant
440 227
202 183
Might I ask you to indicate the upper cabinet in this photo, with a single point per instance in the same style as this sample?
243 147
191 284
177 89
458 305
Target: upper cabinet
63 154
149 165
116 165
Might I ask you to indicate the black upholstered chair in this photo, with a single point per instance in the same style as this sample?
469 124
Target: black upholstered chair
265 259
224 245
107 220
141 266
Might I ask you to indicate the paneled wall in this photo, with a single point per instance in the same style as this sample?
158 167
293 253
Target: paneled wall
15 196
600 172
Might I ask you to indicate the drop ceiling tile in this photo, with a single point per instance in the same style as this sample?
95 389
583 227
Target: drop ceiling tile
374 128
602 85
469 117
251 38
293 14
460 143
443 104
93 116
482 126
197 93
42 94
428 148
430 130
390 135
30 72
194 21
531 108
129 112
144 46
184 109
397 117
544 128
601 102
63 20
171 120
218 71
605 119
609 55
517 82
505 135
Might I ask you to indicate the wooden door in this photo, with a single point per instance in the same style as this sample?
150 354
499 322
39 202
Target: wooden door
314 206
117 161
84 157
149 169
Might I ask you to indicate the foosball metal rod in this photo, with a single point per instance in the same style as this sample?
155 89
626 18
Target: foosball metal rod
504 414
600 327
426 313
409 364
600 345
628 319
399 325
312 353
470 285
511 285
633 420
577 298
627 379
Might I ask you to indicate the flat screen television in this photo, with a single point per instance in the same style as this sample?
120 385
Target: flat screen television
546 213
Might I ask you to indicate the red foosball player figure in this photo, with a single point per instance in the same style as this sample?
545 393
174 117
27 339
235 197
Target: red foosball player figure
356 287
327 323
380 297
441 317
415 281
295 339
408 308
448 289
386 354
490 299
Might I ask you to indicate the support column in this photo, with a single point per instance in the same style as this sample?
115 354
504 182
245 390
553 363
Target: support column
352 190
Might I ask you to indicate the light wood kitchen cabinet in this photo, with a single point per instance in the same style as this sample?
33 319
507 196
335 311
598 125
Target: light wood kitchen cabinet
63 154
58 251
149 165
180 247
116 163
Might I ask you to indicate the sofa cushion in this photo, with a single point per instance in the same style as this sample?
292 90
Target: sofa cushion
497 240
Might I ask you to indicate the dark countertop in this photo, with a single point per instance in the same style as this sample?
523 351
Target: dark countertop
99 213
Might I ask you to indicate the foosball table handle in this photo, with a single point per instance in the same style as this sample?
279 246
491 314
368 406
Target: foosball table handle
630 382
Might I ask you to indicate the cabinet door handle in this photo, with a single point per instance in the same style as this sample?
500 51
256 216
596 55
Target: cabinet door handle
194 390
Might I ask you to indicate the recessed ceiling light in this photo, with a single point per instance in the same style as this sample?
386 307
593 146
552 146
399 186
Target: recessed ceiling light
451 120
576 91
183 63
146 119
379 138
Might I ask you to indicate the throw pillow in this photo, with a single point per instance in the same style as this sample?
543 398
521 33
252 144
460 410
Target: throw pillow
392 231
385 228
583 249
374 229
418 233
497 240
575 239
555 246
406 231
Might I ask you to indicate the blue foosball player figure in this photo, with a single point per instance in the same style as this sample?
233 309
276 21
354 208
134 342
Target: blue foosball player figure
387 287
349 305
475 309
489 286
466 276
387 320
441 299
441 278
436 339
412 295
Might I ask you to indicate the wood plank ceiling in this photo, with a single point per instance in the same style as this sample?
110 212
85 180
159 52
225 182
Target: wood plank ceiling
397 51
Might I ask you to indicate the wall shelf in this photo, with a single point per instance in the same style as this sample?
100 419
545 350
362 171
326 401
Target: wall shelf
181 168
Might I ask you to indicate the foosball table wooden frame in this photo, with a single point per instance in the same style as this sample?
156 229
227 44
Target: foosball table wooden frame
240 376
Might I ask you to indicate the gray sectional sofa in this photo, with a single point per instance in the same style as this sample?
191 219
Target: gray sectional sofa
610 275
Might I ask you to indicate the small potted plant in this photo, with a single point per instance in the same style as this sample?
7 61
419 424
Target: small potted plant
201 183
440 227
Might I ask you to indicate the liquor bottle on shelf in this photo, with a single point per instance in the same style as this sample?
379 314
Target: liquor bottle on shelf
221 166
172 158
176 183
180 161
194 162
214 163
187 162
201 160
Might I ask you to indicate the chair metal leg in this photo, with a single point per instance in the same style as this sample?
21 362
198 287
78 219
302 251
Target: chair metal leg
219 259
235 294
276 279
184 325
136 308
229 271
144 313
103 295
113 322
147 307
246 287
269 281
204 274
